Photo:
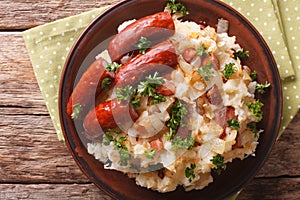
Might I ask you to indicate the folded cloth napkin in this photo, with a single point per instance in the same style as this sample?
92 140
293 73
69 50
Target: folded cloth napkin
278 22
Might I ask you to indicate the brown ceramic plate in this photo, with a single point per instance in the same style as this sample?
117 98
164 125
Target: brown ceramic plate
90 43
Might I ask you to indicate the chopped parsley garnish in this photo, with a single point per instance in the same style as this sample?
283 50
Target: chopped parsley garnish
183 144
113 67
177 7
157 98
261 87
125 93
124 157
206 71
189 172
143 44
234 124
118 142
177 112
107 138
105 83
201 51
241 54
150 154
149 86
144 88
218 161
77 108
136 102
118 145
228 70
253 128
255 109
253 75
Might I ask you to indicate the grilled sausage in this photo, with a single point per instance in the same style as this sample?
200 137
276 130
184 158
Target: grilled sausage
109 114
88 87
156 28
161 58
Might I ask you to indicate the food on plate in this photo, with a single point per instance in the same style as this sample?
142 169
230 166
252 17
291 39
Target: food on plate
156 27
161 58
177 111
87 88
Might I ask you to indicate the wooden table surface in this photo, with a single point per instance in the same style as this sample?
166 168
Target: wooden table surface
35 165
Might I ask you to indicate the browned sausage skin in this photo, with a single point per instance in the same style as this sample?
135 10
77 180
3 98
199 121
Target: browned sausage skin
156 28
161 58
109 114
89 86
112 113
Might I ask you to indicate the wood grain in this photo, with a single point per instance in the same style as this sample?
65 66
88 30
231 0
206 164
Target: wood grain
18 86
34 165
20 15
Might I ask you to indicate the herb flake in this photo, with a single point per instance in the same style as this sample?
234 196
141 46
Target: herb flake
177 7
150 154
234 124
143 44
253 128
113 67
255 109
241 54
77 108
105 83
149 86
177 113
125 93
201 51
206 71
218 161
183 144
261 87
228 70
253 75
189 172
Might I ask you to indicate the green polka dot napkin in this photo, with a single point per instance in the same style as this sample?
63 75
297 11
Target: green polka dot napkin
277 20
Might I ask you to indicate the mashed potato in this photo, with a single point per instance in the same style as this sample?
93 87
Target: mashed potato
211 100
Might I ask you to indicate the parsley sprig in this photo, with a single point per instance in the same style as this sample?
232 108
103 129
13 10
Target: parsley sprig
253 75
150 153
125 93
241 54
118 145
77 108
177 113
234 124
261 87
253 128
206 71
189 172
143 44
183 144
149 86
228 70
201 51
105 83
113 67
218 161
255 109
177 7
